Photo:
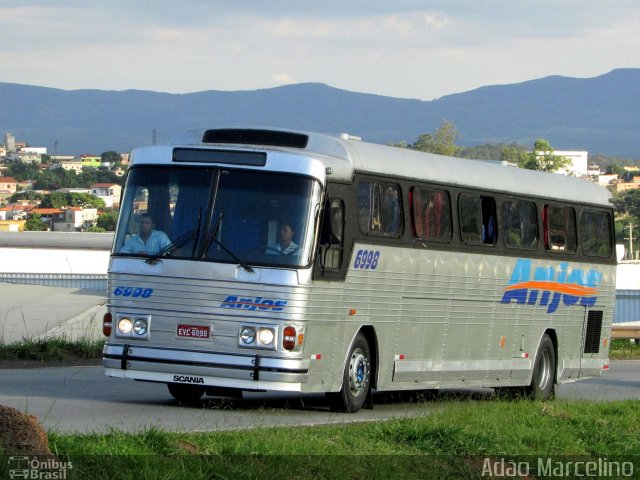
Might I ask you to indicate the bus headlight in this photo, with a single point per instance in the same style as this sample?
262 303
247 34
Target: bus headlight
130 326
140 326
265 337
247 335
125 325
258 336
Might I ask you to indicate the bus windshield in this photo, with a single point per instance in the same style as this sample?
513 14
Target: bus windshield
218 215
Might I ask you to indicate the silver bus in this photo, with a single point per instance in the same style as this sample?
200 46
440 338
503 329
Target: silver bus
274 260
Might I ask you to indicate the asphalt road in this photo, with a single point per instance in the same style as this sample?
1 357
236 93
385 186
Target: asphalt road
82 399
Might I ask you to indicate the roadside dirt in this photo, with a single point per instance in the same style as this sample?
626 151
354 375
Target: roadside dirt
21 434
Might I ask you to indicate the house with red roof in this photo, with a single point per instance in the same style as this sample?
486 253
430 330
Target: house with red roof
8 185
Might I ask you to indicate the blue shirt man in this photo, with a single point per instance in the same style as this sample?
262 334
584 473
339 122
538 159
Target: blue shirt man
148 241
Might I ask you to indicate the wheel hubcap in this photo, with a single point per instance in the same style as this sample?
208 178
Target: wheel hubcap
358 372
544 371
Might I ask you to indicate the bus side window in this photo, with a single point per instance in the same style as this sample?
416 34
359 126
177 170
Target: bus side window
519 224
477 219
596 233
559 228
332 235
430 214
379 209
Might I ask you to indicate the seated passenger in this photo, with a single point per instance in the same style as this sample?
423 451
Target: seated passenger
147 241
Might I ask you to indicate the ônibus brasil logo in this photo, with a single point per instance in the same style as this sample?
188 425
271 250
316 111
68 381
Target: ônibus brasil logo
548 285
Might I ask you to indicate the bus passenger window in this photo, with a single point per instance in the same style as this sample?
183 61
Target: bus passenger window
520 224
596 233
380 209
477 219
559 228
430 214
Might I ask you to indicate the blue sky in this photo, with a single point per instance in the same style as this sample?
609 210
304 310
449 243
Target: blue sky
400 48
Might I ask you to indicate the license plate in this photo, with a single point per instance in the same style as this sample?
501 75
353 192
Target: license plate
193 331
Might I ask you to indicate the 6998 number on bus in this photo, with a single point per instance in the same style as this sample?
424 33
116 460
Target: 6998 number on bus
366 259
133 292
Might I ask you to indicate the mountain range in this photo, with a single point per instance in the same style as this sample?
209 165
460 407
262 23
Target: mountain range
599 114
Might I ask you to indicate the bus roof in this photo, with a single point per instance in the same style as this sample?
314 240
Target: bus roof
346 155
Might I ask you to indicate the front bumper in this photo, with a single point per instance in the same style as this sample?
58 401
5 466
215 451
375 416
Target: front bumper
166 365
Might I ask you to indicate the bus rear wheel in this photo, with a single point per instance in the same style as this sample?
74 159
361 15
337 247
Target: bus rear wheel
543 381
185 393
356 379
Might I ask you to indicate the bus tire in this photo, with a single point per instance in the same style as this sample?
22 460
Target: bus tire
185 393
356 379
543 380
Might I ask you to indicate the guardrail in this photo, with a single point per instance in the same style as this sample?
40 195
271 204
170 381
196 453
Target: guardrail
67 280
625 331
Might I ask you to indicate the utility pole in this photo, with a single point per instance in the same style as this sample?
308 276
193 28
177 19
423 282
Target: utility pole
630 238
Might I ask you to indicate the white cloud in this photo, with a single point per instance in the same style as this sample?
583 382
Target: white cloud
405 48
282 79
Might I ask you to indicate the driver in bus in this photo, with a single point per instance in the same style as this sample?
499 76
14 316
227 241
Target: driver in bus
148 240
286 245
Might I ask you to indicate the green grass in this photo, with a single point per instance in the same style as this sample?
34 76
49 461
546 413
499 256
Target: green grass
622 349
451 440
52 350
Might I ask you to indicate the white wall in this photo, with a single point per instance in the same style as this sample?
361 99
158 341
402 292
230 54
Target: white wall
40 260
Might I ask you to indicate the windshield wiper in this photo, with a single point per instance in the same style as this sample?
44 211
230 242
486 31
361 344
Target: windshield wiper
212 235
241 262
172 247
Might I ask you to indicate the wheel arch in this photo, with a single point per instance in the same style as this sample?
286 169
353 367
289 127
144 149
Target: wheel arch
369 333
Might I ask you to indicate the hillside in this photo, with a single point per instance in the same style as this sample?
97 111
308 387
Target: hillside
600 114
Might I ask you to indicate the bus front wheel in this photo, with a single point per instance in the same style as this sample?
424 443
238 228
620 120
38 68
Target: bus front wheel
543 380
356 379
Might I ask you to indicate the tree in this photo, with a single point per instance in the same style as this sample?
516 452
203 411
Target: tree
34 223
24 170
443 140
542 158
59 200
616 169
513 153
628 203
111 157
107 221
25 195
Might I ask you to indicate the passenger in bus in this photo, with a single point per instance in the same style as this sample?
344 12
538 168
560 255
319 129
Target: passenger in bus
148 240
286 245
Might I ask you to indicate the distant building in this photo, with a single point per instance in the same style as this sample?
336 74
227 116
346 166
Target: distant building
579 162
74 190
624 186
9 142
90 161
76 163
8 185
24 156
109 192
12 225
38 150
607 179
76 219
